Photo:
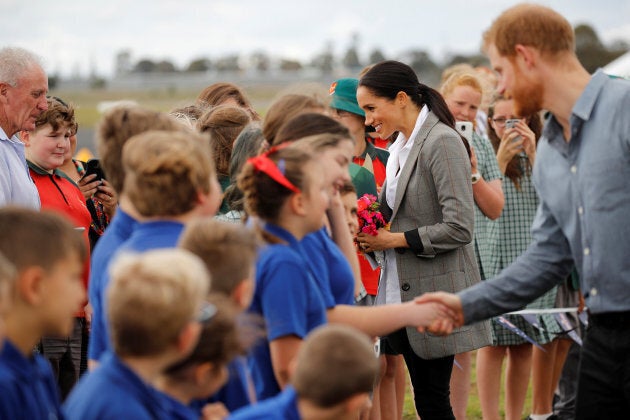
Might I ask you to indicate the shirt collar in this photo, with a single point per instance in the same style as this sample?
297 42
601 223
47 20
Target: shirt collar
40 171
583 107
281 233
20 365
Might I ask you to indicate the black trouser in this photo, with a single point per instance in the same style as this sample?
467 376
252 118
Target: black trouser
64 355
604 375
430 379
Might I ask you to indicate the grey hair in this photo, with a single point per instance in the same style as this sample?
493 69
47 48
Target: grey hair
14 61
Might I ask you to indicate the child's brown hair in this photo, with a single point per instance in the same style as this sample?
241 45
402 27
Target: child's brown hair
166 171
119 125
334 363
30 238
228 251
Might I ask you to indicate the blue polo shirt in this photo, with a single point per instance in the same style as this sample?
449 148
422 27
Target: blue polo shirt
145 236
280 407
118 231
333 271
28 389
113 391
288 298
153 235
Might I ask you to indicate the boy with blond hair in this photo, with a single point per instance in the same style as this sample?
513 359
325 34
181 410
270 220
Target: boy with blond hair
47 254
156 305
332 378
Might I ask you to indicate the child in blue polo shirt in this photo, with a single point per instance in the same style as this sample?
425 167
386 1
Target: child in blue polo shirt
114 130
169 181
332 378
229 253
156 303
286 193
48 254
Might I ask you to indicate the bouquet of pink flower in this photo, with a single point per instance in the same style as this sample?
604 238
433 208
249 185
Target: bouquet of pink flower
370 218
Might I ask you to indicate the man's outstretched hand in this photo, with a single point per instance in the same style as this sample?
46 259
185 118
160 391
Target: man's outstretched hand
444 325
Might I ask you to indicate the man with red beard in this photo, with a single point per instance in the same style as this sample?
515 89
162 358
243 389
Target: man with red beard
582 175
23 88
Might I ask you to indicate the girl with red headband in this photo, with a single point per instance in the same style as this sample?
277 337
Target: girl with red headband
287 196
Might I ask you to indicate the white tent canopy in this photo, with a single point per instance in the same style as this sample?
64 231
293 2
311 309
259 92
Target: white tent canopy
619 67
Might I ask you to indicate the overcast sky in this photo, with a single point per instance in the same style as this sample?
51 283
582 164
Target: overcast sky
76 35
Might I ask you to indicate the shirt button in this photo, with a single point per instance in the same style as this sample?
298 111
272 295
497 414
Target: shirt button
580 210
587 251
593 292
573 169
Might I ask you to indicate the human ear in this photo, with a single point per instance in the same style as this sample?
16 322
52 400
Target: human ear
402 98
527 54
31 285
298 204
243 292
25 136
188 337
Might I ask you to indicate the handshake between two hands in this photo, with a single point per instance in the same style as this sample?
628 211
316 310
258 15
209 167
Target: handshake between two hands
440 313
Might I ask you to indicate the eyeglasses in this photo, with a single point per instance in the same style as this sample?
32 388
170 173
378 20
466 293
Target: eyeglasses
500 122
206 313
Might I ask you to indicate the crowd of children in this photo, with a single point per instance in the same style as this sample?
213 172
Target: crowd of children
218 270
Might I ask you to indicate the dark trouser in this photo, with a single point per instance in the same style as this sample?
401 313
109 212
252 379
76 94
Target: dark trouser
564 398
64 355
604 375
430 379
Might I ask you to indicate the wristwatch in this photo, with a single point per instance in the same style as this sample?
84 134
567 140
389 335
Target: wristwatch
475 177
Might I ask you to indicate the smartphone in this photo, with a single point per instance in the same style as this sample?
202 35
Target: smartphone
465 128
93 166
510 124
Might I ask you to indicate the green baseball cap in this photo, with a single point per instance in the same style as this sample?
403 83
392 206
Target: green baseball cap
344 96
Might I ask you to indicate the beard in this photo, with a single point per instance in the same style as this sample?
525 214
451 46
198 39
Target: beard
527 94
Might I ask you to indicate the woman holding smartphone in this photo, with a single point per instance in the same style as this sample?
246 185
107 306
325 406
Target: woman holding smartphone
427 198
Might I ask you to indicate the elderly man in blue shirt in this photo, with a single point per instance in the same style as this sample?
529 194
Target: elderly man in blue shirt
582 175
23 88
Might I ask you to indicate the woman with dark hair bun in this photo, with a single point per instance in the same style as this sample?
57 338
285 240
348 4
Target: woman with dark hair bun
427 198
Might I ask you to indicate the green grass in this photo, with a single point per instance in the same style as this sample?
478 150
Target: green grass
473 412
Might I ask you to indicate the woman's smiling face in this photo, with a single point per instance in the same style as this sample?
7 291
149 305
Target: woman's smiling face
381 113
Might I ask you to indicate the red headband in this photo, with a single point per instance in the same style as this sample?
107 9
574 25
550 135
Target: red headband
263 164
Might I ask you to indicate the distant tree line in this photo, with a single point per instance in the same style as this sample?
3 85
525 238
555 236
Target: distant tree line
590 50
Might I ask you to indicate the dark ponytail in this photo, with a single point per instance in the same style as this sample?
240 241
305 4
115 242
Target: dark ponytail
387 78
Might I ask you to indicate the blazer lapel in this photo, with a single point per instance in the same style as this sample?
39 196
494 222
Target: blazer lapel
410 163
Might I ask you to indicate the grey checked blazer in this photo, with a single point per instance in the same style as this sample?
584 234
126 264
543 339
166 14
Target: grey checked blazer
434 195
